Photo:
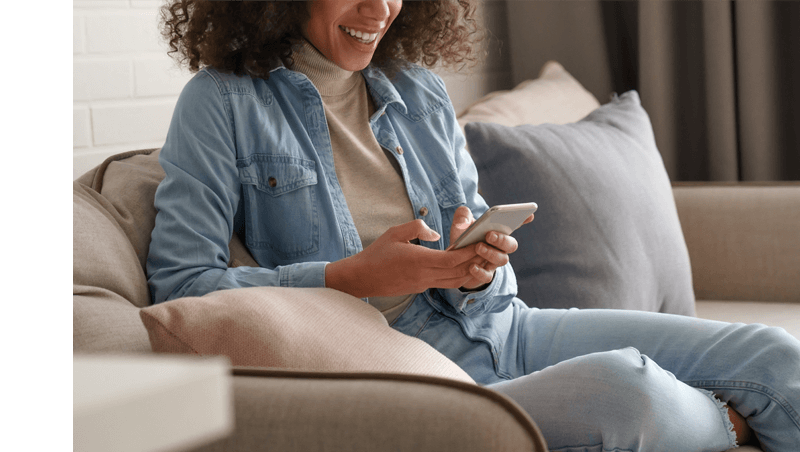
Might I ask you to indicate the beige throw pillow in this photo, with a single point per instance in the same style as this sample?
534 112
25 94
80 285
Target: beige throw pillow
312 329
555 97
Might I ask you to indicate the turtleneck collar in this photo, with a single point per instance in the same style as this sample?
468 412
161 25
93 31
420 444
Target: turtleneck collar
327 77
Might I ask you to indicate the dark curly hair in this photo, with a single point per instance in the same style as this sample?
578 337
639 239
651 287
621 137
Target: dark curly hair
243 37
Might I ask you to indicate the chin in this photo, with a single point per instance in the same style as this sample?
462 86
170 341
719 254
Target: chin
354 66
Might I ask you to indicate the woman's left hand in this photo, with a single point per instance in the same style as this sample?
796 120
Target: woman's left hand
492 253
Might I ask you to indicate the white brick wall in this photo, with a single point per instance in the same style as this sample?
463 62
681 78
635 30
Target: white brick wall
124 86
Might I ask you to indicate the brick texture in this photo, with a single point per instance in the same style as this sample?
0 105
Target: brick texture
124 84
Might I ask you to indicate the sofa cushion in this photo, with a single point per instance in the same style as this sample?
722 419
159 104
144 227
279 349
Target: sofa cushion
743 239
102 254
108 281
104 322
129 181
783 315
554 97
606 234
292 328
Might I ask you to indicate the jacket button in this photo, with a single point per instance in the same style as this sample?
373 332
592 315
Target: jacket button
272 182
399 150
423 211
470 301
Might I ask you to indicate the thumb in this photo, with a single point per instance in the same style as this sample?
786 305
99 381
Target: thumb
462 217
417 229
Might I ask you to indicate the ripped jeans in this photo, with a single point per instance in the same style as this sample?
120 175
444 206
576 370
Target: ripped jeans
613 380
607 380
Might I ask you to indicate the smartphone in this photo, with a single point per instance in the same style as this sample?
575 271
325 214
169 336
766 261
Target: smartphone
504 218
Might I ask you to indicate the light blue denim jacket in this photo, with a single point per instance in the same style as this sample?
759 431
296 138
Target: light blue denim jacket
254 156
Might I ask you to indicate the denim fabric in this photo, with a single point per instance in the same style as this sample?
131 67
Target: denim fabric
584 372
253 156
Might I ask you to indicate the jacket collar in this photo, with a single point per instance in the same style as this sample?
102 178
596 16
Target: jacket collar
382 90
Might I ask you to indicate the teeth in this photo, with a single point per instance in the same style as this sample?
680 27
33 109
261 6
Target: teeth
366 38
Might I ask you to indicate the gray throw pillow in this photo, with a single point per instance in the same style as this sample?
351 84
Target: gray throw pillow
607 233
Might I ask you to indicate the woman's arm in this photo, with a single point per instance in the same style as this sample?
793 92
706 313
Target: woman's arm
503 286
392 265
197 202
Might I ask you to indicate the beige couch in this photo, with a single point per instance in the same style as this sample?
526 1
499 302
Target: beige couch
742 241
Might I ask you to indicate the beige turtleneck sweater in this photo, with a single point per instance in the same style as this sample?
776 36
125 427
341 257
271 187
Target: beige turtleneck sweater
370 177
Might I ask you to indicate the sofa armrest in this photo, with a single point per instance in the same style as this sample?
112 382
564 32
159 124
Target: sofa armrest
743 239
280 410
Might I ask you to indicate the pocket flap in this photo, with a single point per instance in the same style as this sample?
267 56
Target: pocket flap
277 174
449 192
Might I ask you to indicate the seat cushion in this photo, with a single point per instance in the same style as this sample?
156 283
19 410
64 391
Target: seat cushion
784 315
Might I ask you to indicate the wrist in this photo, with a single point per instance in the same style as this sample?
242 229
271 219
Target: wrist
474 289
338 276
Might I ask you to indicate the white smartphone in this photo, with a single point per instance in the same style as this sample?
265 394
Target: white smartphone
505 218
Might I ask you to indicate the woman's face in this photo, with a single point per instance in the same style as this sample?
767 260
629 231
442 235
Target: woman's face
347 32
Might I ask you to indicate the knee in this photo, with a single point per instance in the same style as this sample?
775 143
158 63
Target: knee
774 352
778 342
624 386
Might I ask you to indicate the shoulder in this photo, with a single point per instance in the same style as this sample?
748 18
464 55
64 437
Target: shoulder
210 81
416 77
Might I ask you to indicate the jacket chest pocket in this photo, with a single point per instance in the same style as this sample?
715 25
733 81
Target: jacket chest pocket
280 204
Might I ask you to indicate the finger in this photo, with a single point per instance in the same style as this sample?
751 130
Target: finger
502 242
481 275
457 258
462 217
492 255
528 220
416 229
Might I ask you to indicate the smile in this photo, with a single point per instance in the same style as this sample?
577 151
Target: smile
359 36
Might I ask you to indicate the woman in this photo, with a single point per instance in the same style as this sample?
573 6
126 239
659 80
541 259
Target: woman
309 133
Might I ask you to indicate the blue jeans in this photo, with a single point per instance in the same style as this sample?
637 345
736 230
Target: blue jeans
597 380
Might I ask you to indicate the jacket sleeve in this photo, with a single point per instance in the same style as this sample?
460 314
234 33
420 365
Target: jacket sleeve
196 204
498 294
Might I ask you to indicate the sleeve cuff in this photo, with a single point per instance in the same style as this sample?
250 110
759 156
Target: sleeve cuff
305 274
470 302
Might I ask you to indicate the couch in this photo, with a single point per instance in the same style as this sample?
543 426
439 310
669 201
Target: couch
741 239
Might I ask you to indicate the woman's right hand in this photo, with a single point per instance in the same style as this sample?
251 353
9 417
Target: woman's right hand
392 265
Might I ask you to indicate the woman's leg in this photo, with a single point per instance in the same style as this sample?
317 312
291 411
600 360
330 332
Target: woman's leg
619 401
753 368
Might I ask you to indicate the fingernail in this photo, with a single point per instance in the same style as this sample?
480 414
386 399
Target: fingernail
492 237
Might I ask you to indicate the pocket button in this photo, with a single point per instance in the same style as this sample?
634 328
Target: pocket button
272 181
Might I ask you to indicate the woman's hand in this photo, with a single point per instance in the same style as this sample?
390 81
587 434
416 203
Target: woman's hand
392 265
491 255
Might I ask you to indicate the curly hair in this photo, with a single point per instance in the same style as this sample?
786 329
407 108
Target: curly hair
244 37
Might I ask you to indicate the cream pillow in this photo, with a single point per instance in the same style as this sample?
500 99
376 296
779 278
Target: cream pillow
313 329
555 97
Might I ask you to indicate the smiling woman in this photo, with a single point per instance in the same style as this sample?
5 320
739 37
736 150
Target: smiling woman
246 37
348 32
310 134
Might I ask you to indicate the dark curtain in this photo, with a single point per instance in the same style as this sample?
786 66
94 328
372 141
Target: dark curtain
720 79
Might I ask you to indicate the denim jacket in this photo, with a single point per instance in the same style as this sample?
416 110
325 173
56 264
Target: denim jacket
253 156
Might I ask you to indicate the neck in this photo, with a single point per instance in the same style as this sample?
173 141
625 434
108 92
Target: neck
330 79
